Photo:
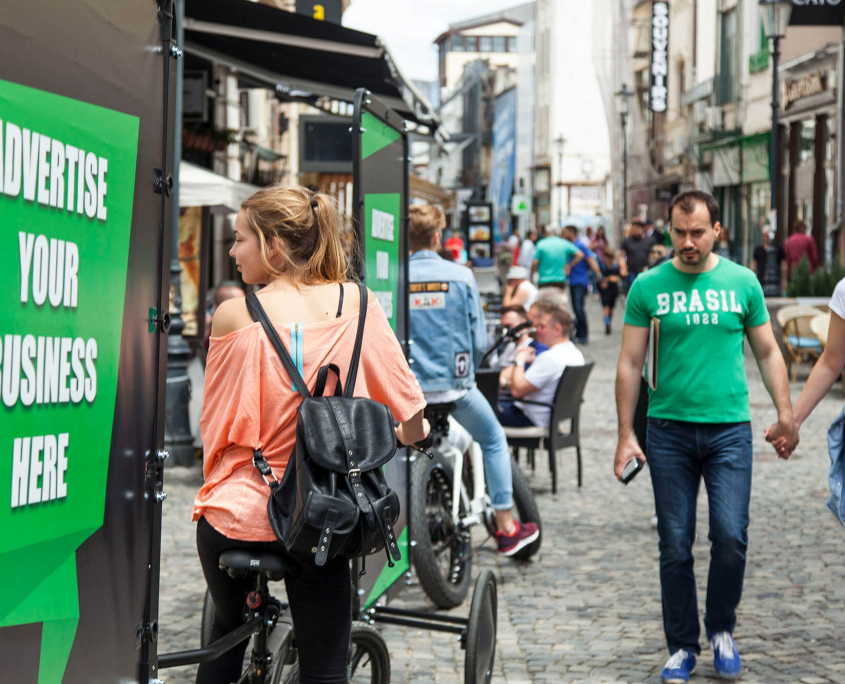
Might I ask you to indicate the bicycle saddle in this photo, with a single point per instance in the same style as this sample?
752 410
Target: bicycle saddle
239 563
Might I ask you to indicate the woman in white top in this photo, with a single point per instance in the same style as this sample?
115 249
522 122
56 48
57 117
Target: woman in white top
519 291
826 371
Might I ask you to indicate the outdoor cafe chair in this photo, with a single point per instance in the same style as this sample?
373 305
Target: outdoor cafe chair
801 343
564 422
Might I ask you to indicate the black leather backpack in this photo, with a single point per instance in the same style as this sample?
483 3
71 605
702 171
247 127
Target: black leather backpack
333 500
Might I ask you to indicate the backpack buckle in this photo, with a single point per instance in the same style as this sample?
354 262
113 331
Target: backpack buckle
263 467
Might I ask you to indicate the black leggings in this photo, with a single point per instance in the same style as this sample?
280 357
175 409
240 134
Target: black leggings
320 603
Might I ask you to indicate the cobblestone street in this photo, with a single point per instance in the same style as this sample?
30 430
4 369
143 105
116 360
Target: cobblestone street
587 608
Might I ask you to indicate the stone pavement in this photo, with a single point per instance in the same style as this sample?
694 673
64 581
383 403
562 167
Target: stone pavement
587 608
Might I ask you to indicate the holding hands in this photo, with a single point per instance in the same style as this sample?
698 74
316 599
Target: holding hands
783 436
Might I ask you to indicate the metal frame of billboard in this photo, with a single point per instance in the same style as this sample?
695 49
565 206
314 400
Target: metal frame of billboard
117 566
366 102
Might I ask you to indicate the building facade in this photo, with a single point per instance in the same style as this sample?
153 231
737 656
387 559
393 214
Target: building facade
714 132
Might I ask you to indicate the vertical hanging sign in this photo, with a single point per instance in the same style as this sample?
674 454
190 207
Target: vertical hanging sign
659 93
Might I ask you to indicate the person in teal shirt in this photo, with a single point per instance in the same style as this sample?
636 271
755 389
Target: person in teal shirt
698 307
554 258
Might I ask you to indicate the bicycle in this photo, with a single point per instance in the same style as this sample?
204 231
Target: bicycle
273 659
448 496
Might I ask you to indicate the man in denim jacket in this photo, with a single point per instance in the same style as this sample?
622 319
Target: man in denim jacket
449 338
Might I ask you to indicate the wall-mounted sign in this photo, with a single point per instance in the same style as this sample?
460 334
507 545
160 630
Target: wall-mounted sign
521 205
322 10
659 55
806 86
817 13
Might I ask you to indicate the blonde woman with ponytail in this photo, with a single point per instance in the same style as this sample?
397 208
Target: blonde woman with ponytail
291 242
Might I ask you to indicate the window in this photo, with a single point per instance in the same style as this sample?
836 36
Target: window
485 44
457 43
728 72
807 150
471 43
512 44
499 44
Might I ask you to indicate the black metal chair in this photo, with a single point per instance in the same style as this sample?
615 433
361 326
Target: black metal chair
566 408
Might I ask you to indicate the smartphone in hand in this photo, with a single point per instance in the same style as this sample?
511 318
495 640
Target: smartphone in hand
633 467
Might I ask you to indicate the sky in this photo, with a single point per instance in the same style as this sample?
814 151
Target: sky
409 27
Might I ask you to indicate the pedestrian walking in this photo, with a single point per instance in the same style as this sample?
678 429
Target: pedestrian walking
695 311
553 259
527 249
609 286
769 263
634 251
599 244
825 372
800 245
579 283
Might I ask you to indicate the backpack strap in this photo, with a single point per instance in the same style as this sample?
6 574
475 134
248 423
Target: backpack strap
325 539
359 338
322 378
258 314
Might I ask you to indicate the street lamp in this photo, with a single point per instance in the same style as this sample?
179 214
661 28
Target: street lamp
560 141
623 97
776 14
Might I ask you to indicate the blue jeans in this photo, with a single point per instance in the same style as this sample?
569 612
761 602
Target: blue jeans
679 455
475 414
510 415
578 294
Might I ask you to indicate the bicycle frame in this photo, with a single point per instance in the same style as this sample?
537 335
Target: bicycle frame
273 636
480 504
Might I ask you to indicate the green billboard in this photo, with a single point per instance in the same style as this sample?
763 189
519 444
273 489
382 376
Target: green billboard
380 197
67 180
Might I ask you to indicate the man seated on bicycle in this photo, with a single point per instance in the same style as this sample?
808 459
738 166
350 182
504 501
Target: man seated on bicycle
449 338
512 318
539 382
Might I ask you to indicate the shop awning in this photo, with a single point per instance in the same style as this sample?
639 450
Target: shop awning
300 56
431 192
199 187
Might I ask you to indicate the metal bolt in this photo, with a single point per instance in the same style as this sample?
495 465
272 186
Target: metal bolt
176 51
160 496
162 455
414 542
360 592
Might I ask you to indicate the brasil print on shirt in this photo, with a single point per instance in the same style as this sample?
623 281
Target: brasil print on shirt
703 318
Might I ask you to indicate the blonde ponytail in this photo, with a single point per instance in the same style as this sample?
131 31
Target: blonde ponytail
304 228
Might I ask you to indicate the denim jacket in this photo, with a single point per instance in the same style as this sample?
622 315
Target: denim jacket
836 477
448 331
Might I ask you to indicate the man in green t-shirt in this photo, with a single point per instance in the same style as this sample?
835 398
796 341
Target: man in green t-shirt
700 308
554 258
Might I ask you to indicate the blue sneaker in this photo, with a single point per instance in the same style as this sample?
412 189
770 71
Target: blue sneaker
679 667
725 656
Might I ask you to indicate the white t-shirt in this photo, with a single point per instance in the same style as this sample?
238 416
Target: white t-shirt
526 253
837 301
545 374
527 286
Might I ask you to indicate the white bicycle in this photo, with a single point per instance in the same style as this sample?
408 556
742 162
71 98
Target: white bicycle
448 496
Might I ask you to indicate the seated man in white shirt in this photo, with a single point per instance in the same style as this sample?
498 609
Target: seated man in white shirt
539 382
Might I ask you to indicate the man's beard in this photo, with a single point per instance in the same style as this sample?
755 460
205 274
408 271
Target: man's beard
694 257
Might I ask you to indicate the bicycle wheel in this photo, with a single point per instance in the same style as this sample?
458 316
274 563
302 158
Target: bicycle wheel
369 659
525 509
442 556
481 631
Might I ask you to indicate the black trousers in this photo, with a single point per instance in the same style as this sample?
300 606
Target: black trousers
320 601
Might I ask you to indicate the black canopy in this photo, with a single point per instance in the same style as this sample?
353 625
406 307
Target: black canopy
298 55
